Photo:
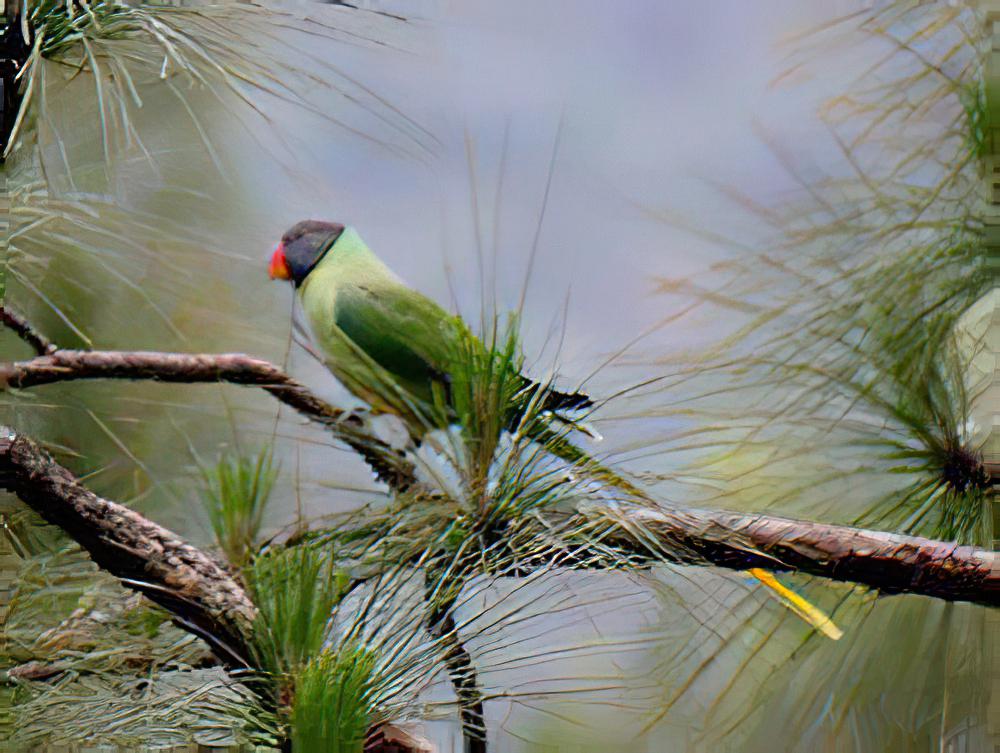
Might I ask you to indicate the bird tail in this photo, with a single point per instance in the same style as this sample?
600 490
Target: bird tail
553 400
560 401
556 405
808 612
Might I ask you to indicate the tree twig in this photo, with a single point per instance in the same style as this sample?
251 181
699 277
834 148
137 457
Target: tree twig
439 620
464 680
23 329
205 599
390 465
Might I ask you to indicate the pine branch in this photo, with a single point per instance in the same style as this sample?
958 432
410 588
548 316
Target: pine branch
464 681
440 622
200 594
187 582
888 562
206 600
390 465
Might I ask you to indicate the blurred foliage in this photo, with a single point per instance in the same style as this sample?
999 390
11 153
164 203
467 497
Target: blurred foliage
125 45
840 389
843 371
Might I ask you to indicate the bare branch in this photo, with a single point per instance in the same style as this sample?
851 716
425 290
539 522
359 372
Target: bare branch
390 465
200 594
889 562
440 623
20 326
203 597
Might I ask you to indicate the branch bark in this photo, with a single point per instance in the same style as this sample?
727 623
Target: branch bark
205 599
890 563
201 595
390 465
204 596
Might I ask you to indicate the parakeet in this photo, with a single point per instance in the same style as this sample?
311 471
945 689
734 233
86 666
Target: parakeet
388 344
397 350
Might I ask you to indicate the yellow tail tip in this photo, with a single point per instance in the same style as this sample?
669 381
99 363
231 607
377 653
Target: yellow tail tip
808 612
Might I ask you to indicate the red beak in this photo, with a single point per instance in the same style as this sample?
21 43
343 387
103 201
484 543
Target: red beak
278 269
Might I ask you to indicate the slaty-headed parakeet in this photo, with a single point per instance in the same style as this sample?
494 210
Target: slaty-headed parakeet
391 346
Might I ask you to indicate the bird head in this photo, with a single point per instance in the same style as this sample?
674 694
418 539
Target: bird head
301 248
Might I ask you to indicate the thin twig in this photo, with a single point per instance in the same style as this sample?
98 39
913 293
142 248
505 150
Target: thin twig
20 327
440 622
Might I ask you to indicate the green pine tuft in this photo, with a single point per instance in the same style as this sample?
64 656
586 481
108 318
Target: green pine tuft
331 711
296 590
237 492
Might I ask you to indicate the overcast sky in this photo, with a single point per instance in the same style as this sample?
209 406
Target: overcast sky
652 97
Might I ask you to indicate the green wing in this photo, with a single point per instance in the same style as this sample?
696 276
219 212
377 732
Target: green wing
404 332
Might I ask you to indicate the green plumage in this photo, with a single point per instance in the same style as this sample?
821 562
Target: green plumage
388 344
